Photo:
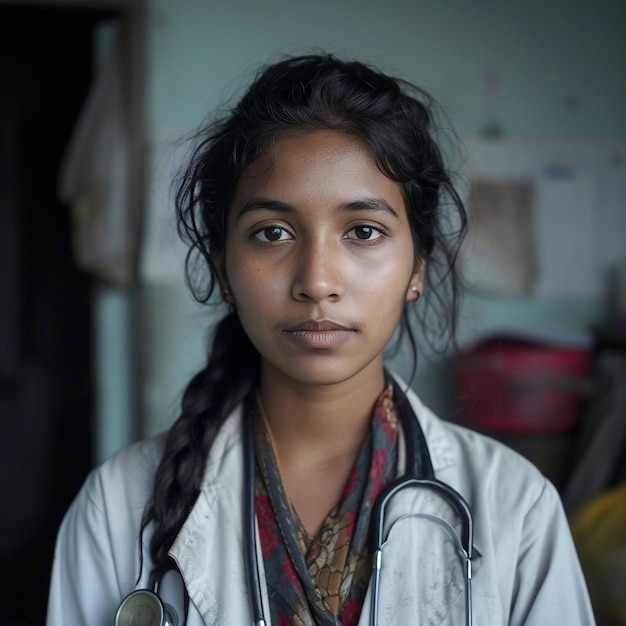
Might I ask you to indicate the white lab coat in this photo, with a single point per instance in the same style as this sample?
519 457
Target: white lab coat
526 570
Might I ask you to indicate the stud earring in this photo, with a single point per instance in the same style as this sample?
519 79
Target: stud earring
416 292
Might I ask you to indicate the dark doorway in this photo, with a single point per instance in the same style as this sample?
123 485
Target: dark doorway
46 396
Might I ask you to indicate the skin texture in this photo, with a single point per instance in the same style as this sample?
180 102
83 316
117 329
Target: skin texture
319 263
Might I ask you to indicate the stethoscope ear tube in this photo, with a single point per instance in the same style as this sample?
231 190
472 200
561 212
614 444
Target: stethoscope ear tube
249 516
419 473
377 538
454 499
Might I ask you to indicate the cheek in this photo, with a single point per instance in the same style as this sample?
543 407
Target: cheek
250 285
388 279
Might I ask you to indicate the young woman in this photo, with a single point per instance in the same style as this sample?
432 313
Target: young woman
298 462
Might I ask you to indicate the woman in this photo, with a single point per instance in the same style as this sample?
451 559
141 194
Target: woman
318 205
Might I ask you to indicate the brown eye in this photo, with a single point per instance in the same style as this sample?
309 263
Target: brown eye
365 233
272 233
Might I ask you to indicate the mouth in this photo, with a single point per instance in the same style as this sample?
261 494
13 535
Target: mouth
322 334
316 326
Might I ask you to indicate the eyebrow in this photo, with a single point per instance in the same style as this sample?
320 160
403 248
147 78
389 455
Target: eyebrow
370 204
264 204
365 204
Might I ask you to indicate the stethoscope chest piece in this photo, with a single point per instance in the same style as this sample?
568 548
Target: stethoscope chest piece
144 608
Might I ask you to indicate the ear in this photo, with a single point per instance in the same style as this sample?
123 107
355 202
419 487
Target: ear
220 269
416 284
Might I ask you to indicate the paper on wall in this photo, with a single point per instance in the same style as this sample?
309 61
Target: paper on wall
499 253
577 217
566 236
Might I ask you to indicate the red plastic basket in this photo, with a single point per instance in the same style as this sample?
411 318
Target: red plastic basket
508 387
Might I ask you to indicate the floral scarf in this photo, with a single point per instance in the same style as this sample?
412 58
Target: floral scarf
322 580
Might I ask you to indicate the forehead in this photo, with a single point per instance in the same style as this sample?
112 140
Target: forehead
320 164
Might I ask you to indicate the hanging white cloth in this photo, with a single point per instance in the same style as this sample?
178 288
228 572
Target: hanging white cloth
95 177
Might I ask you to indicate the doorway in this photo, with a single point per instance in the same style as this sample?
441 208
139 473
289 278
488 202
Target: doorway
46 374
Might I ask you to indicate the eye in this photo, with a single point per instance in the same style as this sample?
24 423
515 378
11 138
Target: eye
272 233
365 232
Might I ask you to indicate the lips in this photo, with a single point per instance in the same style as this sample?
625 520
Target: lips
321 326
322 334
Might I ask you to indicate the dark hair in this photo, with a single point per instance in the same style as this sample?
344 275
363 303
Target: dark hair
392 118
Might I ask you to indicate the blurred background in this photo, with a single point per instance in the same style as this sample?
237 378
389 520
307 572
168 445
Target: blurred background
99 335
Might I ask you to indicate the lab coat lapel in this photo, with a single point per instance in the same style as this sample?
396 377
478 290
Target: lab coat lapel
209 548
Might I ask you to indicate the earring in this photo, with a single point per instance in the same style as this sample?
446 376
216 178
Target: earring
226 295
416 292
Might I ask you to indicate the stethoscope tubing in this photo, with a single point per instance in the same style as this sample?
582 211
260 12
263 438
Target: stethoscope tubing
450 495
249 518
464 551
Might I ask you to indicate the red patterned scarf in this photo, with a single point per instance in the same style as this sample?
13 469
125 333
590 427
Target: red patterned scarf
322 580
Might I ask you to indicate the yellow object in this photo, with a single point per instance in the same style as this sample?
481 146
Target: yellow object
599 530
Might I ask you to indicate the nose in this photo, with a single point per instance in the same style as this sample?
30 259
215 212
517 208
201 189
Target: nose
318 273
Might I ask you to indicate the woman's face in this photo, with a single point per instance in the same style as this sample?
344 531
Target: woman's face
319 259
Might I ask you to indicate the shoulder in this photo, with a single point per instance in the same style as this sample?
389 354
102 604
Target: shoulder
120 488
97 557
127 476
108 509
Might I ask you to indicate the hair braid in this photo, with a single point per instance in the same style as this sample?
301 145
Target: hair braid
209 398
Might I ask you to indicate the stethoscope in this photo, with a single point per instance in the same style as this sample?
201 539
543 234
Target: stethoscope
168 602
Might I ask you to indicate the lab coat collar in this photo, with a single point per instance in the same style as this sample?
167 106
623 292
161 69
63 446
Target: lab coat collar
438 438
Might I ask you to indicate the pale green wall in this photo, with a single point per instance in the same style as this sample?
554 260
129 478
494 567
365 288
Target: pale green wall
561 63
561 67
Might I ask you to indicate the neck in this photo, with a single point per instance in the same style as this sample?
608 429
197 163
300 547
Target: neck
319 421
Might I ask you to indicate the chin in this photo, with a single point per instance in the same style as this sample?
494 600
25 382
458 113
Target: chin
325 372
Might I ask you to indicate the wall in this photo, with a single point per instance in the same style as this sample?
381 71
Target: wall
560 64
534 69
